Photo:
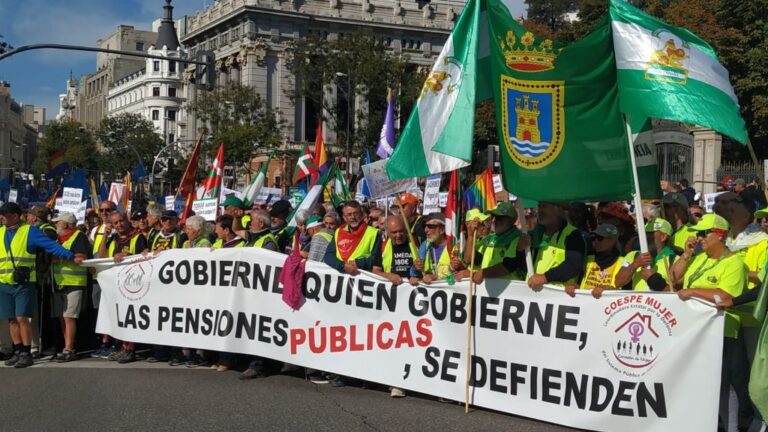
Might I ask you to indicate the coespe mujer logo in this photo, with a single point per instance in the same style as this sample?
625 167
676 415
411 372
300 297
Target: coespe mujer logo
133 280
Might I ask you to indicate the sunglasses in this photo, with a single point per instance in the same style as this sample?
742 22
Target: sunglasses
166 219
105 210
702 234
432 226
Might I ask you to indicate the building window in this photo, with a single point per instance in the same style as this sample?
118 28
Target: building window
155 114
155 91
156 65
139 46
277 181
172 66
171 137
171 115
171 91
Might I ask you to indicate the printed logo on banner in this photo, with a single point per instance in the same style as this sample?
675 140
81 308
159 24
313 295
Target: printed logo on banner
642 327
133 280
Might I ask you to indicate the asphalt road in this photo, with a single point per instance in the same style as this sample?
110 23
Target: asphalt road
92 394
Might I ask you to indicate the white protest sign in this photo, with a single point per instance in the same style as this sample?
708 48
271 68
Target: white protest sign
71 200
116 191
443 199
709 201
13 195
170 202
608 364
431 195
206 208
379 183
273 194
497 186
80 214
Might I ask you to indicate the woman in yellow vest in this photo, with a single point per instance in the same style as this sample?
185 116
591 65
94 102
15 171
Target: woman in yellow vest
650 270
602 267
560 248
717 275
225 232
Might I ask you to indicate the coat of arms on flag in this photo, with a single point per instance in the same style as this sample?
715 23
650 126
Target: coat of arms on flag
533 120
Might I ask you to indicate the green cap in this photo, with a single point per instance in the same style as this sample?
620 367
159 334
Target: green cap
474 213
505 208
314 221
660 225
711 221
761 213
234 202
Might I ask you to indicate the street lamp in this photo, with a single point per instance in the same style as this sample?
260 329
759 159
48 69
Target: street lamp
348 95
154 164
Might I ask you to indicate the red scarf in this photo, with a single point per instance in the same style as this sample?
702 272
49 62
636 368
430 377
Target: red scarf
347 241
65 237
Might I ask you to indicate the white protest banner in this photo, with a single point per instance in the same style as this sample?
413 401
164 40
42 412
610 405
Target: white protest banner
497 186
268 193
443 199
116 192
13 195
80 214
709 201
379 183
170 202
206 208
629 361
431 195
71 200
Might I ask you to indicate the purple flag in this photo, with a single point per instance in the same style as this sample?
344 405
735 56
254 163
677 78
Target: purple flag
387 138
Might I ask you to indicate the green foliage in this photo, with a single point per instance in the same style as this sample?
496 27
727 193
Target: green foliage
363 60
123 137
238 117
79 146
553 14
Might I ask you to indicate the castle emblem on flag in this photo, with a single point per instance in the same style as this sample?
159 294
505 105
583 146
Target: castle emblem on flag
533 120
524 56
667 63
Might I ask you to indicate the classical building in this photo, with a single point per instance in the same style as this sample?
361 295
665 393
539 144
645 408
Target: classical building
91 104
18 140
155 91
251 40
68 101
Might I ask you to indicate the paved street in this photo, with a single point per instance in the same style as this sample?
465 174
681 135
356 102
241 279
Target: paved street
98 395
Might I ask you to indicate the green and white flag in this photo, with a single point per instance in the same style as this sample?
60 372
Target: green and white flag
340 189
439 134
668 72
252 190
314 196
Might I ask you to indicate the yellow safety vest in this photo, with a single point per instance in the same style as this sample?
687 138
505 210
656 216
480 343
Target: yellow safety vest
98 237
364 249
387 255
552 253
443 263
325 235
661 267
261 240
218 244
131 246
67 273
21 256
592 267
755 260
494 252
174 240
245 220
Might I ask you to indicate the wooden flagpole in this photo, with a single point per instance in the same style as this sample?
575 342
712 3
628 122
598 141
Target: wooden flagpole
470 306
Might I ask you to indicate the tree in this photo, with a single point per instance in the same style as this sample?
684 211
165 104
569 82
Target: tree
360 62
121 135
238 117
78 144
553 14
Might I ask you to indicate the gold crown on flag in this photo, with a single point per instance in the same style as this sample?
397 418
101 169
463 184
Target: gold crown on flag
524 56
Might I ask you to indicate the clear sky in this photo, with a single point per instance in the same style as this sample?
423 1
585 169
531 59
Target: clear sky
38 77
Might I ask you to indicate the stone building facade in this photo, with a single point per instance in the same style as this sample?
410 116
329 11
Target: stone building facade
18 140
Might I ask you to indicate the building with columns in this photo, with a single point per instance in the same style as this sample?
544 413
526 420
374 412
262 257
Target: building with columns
155 91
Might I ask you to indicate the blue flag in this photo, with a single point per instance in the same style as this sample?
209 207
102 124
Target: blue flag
386 143
138 172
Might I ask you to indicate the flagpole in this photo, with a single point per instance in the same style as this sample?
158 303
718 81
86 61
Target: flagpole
760 175
524 230
407 225
639 220
470 306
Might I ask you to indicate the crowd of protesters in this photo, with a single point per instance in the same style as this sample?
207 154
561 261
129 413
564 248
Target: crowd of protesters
719 257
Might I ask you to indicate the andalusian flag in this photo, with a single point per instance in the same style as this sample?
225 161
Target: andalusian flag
439 134
212 186
668 72
305 166
340 188
452 218
645 159
480 194
252 191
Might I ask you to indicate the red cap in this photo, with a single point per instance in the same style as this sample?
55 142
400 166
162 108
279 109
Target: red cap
407 198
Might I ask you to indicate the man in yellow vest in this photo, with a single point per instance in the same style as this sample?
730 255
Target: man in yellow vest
279 213
97 235
19 243
259 234
235 207
321 237
395 262
650 270
354 243
502 253
434 254
69 283
227 236
602 267
410 204
560 248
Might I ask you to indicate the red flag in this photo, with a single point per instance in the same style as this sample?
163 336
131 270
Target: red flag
305 166
451 215
187 184
212 186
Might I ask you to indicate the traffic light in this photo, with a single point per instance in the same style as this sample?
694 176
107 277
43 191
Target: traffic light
205 75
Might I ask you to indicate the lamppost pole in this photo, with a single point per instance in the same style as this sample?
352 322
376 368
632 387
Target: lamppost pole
348 94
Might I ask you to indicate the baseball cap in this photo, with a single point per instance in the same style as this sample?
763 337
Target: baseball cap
711 221
435 217
66 217
10 207
607 230
280 208
675 198
473 214
761 213
139 214
168 214
41 212
739 181
505 208
407 198
314 221
660 225
233 201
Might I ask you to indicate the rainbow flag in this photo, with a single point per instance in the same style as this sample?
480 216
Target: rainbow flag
56 164
480 194
320 157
